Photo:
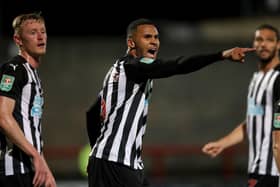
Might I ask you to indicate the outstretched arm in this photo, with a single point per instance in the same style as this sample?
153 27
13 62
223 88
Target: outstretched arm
234 137
237 53
138 69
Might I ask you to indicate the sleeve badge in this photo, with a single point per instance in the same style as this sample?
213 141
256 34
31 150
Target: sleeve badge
276 121
7 82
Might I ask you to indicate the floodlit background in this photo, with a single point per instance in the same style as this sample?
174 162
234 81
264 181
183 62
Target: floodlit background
84 40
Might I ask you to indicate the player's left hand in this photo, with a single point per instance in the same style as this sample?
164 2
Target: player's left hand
237 53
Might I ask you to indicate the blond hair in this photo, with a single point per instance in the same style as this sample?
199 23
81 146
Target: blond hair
17 22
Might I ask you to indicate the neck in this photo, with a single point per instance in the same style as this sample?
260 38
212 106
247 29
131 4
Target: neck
34 61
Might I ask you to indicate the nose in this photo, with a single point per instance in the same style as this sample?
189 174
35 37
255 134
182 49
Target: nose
40 36
155 40
263 42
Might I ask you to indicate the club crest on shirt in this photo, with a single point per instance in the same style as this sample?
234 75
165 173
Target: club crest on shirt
103 110
116 77
147 60
276 122
7 82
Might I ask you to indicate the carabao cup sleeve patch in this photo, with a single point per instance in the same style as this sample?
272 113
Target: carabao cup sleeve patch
276 122
7 82
147 60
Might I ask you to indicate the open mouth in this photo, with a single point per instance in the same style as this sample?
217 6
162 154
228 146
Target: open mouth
152 51
41 45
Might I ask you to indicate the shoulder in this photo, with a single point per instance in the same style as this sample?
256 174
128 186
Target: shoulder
14 67
277 68
14 64
277 80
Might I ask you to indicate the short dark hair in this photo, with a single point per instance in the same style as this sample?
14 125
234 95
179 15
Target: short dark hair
23 17
270 27
132 27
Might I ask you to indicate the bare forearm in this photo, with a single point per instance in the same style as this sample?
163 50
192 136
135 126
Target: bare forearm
235 137
11 128
276 147
12 131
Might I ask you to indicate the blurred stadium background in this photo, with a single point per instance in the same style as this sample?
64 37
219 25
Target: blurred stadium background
186 111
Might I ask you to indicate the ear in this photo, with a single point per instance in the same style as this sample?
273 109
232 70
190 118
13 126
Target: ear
130 43
278 45
17 40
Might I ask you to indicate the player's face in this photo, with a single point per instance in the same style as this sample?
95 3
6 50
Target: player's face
266 44
146 40
33 37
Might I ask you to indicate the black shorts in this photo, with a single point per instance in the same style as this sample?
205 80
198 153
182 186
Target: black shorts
17 180
102 173
255 180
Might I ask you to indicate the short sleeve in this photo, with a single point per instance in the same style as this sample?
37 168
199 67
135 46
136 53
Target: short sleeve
12 79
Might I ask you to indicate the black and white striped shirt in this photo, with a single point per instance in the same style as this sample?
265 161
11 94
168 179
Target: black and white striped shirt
263 92
20 82
125 97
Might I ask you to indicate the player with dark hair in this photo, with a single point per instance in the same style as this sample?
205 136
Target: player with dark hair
258 128
115 159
